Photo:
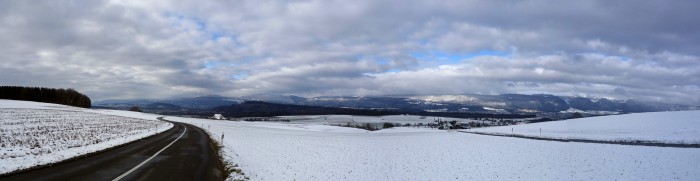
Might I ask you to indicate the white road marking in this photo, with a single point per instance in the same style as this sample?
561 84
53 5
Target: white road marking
149 159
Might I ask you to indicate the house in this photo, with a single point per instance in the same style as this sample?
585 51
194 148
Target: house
217 116
462 126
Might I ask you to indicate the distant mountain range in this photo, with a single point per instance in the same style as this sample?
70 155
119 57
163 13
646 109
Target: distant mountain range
471 103
196 103
266 109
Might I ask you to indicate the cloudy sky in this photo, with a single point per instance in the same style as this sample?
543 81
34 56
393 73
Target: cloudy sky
157 49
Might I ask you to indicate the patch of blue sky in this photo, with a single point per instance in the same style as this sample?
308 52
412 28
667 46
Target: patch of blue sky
454 58
201 25
383 61
215 35
174 15
240 76
215 64
618 57
359 56
394 70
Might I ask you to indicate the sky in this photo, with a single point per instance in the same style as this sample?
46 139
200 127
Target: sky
124 49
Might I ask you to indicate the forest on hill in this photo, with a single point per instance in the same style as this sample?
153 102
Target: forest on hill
68 97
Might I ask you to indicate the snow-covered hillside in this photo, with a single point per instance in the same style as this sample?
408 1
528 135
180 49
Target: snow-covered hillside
277 151
34 133
682 127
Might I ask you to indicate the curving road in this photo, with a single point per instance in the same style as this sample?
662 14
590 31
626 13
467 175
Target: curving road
191 157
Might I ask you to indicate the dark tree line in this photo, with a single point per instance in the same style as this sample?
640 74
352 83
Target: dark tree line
265 109
49 95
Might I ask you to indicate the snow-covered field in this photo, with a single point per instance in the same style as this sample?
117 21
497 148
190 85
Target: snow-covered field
662 127
34 133
306 149
341 119
278 151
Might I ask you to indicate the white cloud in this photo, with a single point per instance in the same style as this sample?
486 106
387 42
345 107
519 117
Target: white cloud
133 49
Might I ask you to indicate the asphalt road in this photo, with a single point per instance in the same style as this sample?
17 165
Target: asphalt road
191 157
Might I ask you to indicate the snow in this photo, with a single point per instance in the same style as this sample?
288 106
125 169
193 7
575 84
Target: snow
341 119
34 134
573 110
495 109
446 98
131 114
660 127
31 105
309 151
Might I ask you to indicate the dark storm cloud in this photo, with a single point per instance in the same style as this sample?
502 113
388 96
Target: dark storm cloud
134 49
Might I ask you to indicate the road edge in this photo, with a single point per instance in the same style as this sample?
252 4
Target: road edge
226 167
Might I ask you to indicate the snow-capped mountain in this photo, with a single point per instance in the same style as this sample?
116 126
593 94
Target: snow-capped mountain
489 103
